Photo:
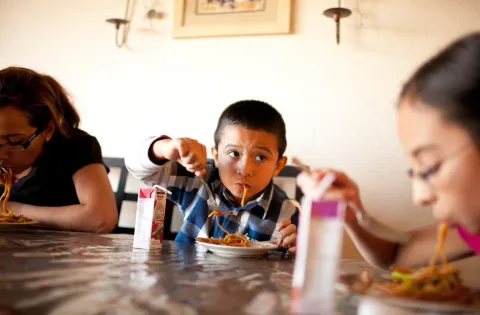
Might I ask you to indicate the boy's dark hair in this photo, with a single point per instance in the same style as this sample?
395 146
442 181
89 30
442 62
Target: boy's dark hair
254 115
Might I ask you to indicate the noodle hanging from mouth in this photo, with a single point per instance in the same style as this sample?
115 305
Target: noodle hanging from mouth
245 189
440 249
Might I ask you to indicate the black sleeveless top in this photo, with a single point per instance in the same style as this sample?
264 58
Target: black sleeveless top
50 182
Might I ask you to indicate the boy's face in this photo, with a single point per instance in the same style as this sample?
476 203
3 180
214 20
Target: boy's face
248 158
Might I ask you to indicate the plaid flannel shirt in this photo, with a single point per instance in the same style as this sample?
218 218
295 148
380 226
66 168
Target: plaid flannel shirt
259 218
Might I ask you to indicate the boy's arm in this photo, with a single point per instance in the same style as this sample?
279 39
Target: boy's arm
153 169
150 157
143 166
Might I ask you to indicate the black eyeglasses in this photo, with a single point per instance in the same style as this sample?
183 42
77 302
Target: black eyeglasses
15 147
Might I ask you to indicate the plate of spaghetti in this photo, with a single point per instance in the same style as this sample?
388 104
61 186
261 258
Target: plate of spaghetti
435 287
8 218
222 247
233 244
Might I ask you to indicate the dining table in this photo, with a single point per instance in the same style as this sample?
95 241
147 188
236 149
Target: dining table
45 271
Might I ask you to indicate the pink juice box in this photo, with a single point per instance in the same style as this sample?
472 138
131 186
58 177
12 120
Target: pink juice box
319 249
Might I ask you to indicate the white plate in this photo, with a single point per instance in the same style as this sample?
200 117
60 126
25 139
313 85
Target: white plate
259 249
437 307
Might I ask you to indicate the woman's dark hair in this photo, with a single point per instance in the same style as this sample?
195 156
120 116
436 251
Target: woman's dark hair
450 82
40 97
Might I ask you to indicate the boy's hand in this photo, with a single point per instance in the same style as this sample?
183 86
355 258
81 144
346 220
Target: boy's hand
343 188
188 152
288 233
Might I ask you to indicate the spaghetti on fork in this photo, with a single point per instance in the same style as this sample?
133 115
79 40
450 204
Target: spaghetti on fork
5 215
230 239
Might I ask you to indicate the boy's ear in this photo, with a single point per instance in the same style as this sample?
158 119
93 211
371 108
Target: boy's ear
280 165
215 155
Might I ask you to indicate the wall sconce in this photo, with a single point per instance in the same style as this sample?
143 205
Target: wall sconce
154 14
336 14
121 22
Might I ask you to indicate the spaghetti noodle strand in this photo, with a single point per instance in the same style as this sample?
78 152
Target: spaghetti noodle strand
245 189
220 226
8 216
229 239
7 184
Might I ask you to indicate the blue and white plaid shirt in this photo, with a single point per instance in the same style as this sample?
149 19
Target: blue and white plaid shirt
259 218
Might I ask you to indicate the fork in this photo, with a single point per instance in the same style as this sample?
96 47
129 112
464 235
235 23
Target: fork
211 202
213 206
365 220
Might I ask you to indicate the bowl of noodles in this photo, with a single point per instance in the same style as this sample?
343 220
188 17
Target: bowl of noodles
436 287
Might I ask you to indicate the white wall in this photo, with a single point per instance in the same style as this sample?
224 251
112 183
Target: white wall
338 101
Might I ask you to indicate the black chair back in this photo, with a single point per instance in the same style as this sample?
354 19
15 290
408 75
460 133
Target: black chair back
121 196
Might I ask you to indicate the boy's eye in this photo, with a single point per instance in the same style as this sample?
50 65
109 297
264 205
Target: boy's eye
234 154
260 158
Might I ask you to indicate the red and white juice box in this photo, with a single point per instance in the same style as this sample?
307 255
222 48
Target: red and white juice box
150 218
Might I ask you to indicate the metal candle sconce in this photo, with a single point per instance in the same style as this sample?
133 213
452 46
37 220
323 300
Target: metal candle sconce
336 14
118 22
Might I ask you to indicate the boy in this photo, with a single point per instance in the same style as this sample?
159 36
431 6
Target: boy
250 140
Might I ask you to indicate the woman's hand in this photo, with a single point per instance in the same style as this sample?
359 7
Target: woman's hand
344 188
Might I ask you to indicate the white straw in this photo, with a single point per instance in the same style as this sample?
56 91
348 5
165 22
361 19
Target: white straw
323 186
162 188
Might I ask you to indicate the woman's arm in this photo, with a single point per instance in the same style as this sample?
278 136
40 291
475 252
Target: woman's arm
416 252
376 251
97 211
423 245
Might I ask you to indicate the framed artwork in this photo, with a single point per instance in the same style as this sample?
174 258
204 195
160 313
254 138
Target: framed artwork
210 18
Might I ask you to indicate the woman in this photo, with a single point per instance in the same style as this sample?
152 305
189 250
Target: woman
59 177
439 127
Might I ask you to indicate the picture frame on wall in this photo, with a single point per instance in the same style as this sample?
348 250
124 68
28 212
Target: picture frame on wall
215 18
